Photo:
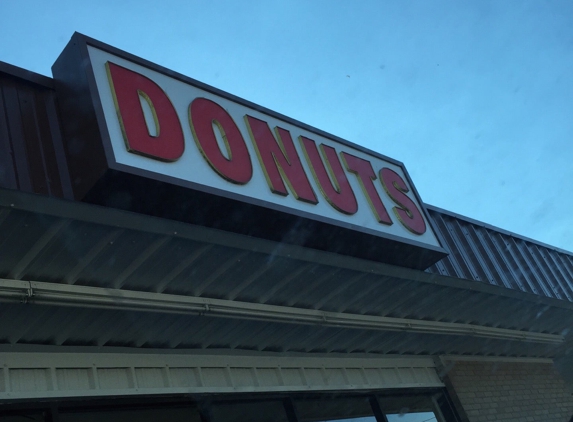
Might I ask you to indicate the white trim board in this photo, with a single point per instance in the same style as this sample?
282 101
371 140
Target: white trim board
55 375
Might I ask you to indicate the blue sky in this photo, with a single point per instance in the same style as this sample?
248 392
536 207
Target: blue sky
474 97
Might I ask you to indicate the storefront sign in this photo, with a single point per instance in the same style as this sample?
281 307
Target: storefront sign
161 125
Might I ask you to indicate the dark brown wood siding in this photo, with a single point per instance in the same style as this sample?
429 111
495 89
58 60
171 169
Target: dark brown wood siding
32 158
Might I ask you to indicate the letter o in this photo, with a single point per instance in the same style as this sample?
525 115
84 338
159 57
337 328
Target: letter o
203 115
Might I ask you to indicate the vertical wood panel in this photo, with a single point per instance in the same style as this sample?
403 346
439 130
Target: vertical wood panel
61 183
17 139
46 144
33 144
32 157
7 169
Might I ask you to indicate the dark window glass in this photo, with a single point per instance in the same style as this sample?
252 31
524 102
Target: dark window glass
252 411
25 417
133 415
335 409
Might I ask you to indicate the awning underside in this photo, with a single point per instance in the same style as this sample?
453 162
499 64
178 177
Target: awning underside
77 245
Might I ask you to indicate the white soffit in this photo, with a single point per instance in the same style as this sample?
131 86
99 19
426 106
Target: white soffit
55 375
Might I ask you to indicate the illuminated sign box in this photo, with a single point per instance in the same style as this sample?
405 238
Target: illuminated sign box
146 139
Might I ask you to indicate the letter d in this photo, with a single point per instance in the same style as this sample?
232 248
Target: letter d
129 88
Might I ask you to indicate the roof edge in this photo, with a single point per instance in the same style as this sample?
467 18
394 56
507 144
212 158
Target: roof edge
27 75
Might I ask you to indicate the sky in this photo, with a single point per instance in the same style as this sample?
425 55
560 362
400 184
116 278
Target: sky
474 97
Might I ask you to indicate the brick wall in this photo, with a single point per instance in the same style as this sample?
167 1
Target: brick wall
503 391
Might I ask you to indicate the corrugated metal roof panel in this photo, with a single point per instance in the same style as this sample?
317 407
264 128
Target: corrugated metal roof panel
486 254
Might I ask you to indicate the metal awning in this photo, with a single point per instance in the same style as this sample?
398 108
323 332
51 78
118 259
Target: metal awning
79 274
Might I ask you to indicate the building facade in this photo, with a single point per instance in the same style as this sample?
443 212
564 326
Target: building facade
294 276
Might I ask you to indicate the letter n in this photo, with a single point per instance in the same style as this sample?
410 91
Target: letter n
280 161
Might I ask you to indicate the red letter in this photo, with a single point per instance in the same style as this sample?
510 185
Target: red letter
335 188
280 161
128 88
203 114
406 211
363 169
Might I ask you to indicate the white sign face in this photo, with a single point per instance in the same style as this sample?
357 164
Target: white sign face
164 126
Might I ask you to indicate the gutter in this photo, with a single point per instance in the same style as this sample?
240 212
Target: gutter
33 292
